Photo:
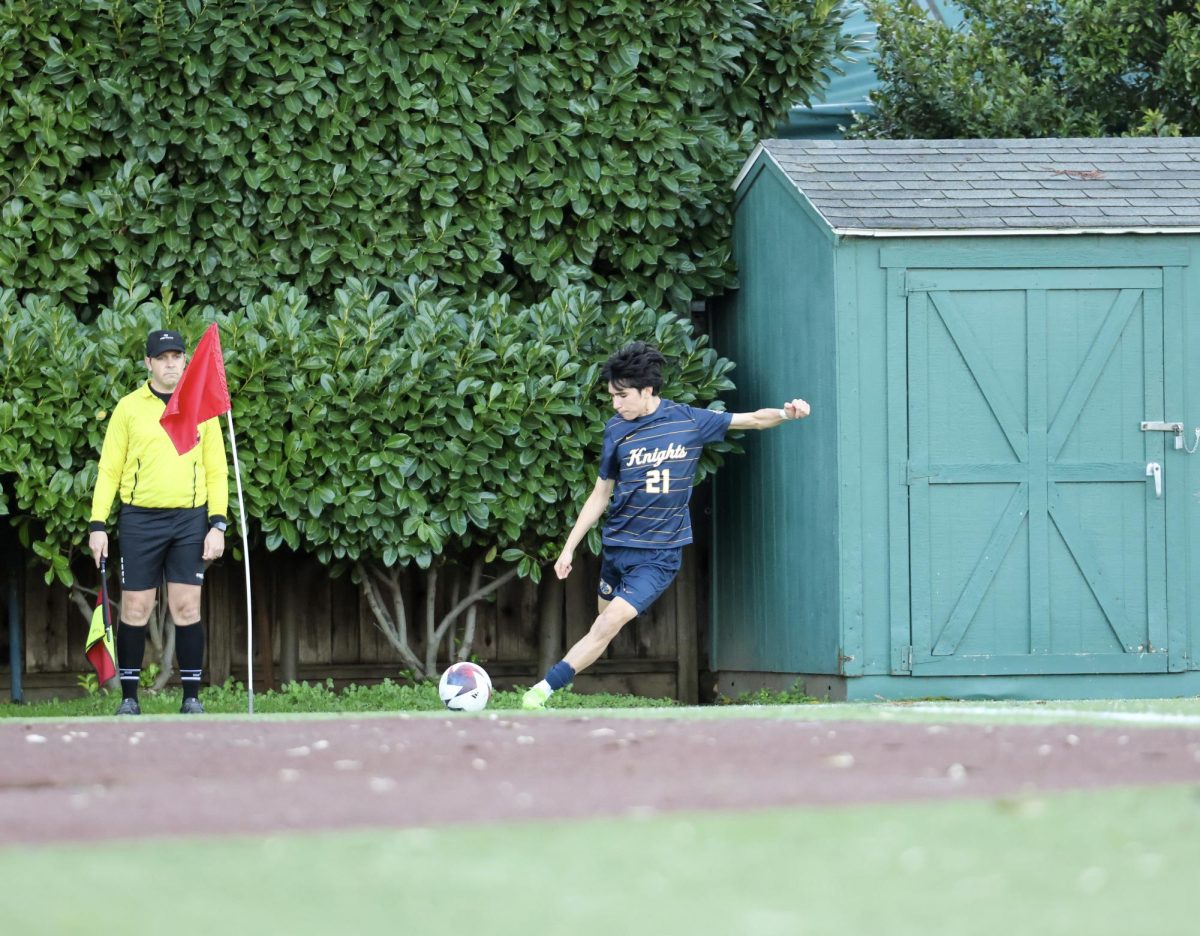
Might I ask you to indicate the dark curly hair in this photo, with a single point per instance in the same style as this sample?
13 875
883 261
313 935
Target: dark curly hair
636 365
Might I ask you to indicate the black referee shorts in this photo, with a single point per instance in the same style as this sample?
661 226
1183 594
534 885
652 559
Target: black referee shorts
157 541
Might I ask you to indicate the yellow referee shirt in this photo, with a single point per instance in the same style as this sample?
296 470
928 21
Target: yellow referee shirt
139 460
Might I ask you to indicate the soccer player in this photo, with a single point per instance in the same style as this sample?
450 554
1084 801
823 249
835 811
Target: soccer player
647 462
172 519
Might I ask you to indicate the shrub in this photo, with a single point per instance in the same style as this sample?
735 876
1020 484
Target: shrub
235 148
394 426
1037 68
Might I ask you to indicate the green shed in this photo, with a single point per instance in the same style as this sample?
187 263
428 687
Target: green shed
998 492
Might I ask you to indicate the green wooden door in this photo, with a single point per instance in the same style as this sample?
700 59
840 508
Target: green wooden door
1036 537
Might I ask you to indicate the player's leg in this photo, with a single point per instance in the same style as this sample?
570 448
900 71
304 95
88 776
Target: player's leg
631 580
143 543
591 646
586 651
184 566
562 673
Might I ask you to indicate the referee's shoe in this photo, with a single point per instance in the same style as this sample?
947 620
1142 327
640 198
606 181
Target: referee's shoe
191 707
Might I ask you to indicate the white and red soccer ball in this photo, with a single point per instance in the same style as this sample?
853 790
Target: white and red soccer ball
465 687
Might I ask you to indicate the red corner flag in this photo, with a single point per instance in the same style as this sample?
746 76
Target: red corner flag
200 395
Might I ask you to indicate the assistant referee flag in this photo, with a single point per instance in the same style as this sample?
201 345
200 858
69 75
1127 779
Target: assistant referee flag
99 647
201 394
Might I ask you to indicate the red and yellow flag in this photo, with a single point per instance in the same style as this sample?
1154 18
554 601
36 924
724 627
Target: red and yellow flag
99 649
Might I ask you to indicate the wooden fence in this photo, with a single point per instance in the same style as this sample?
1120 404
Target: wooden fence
320 628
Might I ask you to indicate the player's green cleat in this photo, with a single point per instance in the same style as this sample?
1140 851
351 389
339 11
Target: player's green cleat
535 698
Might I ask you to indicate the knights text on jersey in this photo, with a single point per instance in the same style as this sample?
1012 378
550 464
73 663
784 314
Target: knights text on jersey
652 462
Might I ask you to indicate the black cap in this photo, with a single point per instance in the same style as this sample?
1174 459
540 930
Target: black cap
159 342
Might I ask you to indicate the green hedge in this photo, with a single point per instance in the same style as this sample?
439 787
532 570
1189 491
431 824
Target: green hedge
234 148
392 426
420 226
1037 68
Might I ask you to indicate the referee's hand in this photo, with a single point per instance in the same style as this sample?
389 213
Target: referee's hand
98 544
214 545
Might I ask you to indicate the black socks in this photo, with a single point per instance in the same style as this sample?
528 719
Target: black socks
189 650
131 647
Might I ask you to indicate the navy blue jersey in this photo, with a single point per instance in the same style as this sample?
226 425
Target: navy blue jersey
652 462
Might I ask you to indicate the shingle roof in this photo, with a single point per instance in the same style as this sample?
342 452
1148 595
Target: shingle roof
931 187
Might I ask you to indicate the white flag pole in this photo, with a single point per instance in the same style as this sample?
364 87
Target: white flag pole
237 473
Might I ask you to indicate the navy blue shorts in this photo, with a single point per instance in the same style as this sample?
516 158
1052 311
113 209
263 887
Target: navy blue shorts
158 543
638 576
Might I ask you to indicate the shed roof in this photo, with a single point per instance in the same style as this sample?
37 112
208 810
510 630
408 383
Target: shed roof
965 187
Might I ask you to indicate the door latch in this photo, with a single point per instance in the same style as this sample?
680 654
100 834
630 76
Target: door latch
1154 470
1175 427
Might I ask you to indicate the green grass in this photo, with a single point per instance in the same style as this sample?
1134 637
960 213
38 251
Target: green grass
317 699
1115 862
387 696
306 697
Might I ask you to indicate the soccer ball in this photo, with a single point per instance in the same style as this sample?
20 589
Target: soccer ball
465 687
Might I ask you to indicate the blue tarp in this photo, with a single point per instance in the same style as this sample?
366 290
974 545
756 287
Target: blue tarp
847 93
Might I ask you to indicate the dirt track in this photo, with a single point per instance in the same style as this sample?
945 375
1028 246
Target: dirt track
141 778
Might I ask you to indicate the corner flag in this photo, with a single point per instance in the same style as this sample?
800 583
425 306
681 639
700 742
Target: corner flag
201 394
99 648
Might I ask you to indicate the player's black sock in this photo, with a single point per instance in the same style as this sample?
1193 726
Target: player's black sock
189 649
131 647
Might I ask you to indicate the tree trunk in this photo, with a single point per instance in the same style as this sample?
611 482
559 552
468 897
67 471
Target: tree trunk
167 657
468 639
392 621
162 639
432 637
472 598
551 593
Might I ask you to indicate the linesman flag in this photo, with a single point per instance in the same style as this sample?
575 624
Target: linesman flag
99 648
201 394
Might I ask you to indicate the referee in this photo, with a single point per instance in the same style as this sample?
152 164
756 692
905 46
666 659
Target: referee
172 519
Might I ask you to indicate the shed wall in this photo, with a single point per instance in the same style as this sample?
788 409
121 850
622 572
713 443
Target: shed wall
775 587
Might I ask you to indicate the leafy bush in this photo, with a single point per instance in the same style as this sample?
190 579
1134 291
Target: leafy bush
394 427
240 147
409 426
1037 68
60 382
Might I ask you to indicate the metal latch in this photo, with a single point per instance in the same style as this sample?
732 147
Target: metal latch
1175 427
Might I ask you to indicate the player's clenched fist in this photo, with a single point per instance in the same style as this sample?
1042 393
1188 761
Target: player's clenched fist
796 409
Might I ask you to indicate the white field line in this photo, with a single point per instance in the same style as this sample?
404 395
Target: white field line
1173 719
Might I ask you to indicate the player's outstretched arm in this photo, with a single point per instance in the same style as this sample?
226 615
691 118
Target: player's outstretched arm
771 417
593 510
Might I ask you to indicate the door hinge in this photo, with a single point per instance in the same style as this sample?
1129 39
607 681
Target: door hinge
902 659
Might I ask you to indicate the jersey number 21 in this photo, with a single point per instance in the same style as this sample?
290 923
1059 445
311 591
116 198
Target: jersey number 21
658 482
